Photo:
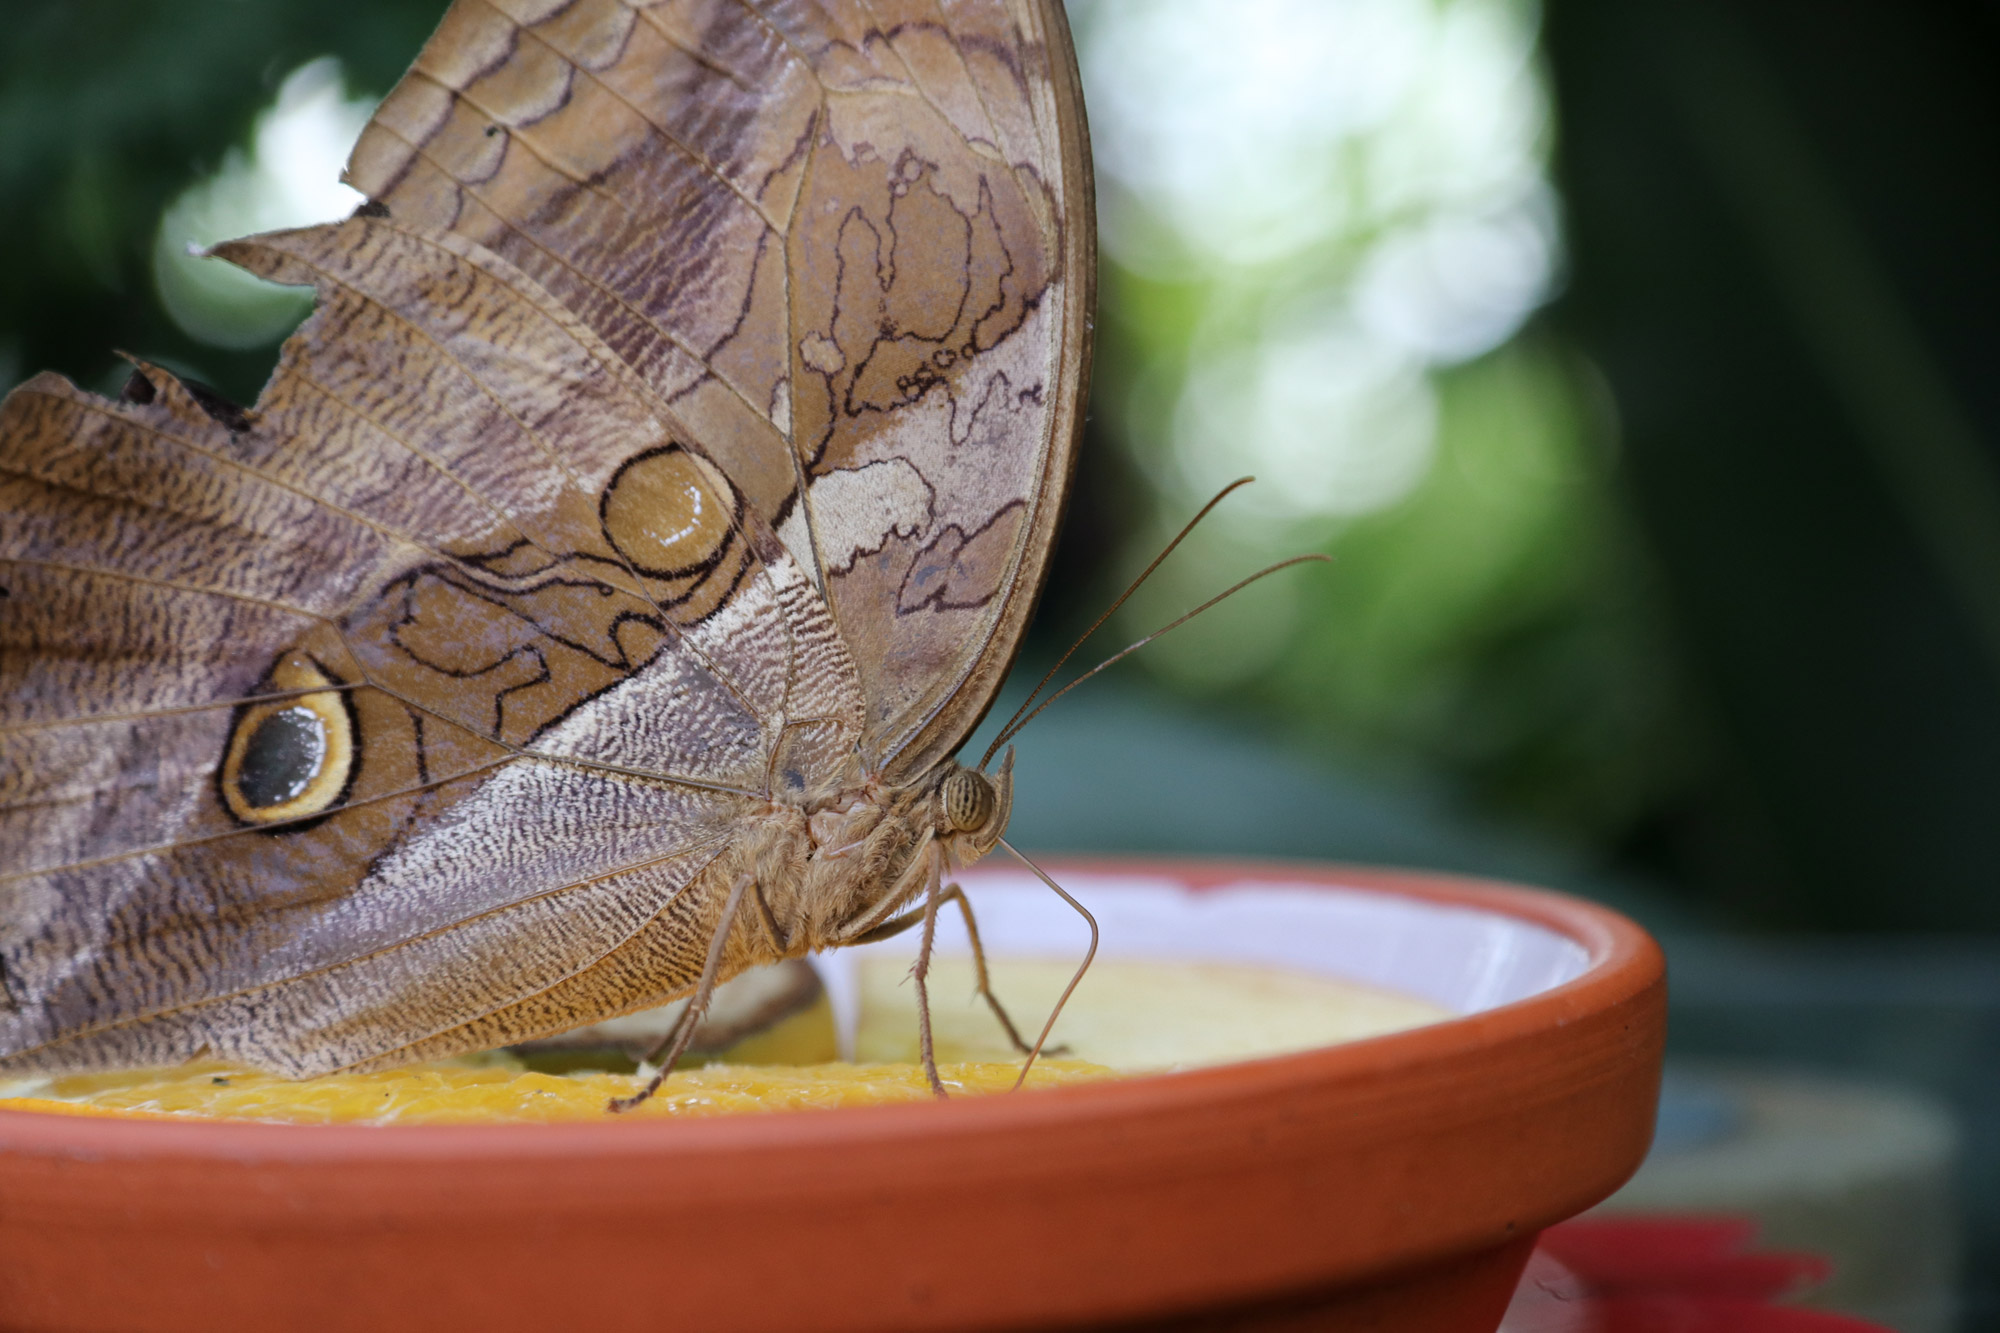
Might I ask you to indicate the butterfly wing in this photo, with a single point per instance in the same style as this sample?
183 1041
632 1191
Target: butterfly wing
419 690
850 243
399 713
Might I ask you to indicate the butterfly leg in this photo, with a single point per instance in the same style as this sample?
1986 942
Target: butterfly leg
922 970
675 1043
984 988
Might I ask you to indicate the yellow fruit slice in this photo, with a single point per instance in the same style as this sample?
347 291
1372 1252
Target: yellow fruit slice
804 1037
1126 1016
475 1091
1131 1015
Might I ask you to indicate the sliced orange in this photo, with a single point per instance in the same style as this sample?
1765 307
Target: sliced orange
1127 1016
494 1091
1133 1015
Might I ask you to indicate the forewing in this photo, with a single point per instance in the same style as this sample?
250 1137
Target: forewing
547 650
850 244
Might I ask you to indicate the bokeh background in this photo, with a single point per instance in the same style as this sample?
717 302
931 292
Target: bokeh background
1636 366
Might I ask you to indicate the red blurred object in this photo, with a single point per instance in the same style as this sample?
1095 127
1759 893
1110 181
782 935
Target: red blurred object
1668 1275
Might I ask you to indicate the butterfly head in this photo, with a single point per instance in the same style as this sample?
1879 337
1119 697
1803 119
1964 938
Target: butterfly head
972 808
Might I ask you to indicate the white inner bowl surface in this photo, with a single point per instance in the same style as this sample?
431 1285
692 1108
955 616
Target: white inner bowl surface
1461 958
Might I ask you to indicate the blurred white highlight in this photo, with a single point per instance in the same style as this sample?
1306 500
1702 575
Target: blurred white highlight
1365 177
1331 421
290 178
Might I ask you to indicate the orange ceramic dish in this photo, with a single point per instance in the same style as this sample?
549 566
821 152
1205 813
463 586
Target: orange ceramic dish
1394 1183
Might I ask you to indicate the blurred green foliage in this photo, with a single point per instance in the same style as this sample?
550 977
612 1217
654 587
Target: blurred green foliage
1498 627
1703 632
108 108
1497 623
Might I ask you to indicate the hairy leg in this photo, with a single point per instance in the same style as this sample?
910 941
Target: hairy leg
675 1042
921 973
953 893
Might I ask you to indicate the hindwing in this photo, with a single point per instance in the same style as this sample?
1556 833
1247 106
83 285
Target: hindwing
680 430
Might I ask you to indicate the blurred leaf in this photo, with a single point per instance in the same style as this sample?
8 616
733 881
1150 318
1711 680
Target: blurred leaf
108 108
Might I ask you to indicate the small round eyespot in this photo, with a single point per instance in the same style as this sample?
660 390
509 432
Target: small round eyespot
668 511
291 758
967 798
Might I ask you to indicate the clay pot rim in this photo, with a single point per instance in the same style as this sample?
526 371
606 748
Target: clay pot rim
1624 961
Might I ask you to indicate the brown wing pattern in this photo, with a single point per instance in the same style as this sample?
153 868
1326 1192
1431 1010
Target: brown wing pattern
849 244
547 652
697 418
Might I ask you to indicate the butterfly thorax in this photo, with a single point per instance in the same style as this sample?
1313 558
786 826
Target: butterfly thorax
835 868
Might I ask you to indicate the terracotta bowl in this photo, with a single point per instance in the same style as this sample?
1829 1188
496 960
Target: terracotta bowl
1395 1183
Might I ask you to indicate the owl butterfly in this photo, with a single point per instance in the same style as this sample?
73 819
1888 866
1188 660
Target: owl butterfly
594 599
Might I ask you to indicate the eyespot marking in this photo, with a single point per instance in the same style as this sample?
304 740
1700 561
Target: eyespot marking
292 758
282 757
668 511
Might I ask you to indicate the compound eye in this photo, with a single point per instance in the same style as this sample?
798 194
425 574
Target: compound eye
291 758
967 799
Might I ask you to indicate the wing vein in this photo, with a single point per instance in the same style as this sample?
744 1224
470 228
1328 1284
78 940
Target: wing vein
555 459
581 968
770 25
168 1010
514 751
685 150
143 714
697 55
665 334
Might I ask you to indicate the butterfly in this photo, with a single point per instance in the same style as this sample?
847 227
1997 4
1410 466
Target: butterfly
593 602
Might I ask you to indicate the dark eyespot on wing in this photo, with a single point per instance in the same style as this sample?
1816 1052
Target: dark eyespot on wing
282 757
373 208
288 762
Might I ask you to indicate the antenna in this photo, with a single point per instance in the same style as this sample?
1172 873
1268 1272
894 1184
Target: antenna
1082 967
1095 625
1013 727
